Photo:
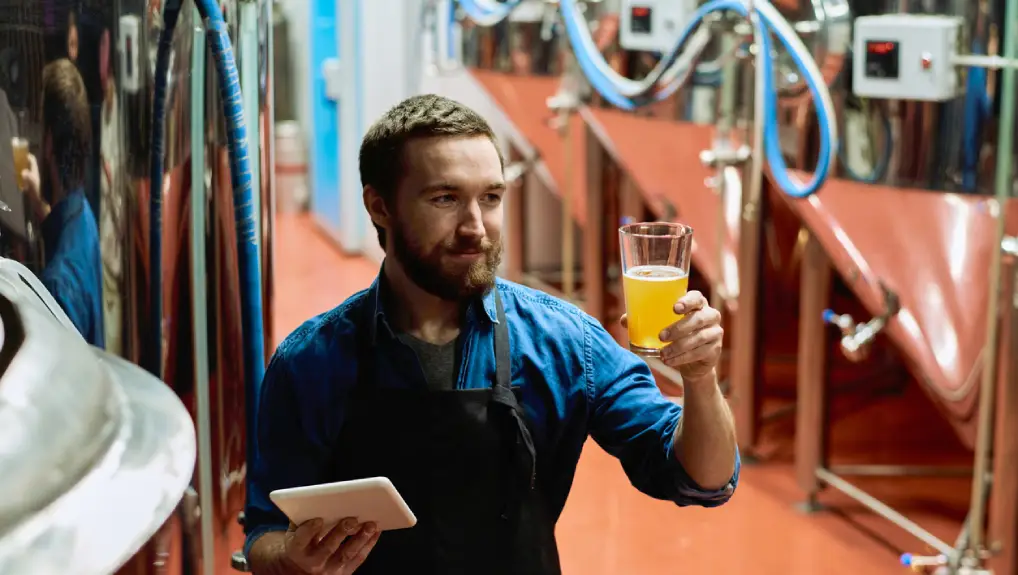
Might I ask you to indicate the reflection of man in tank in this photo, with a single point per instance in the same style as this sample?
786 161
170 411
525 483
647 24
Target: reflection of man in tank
72 38
111 203
55 194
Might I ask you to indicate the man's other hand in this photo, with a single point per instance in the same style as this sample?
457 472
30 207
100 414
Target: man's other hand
339 551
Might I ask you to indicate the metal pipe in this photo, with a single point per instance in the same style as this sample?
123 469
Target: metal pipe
725 124
568 249
199 301
752 203
1005 141
900 470
880 508
981 61
153 356
565 103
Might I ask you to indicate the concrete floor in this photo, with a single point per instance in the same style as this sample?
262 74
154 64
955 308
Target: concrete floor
609 528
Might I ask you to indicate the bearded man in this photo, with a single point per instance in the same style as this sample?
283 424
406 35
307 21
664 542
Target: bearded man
472 394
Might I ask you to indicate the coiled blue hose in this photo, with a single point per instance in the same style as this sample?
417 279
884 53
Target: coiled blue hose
243 204
772 148
152 358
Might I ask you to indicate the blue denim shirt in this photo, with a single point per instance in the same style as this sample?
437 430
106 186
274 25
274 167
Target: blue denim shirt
576 381
73 271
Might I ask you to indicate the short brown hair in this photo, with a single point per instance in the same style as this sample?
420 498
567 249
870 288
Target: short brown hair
66 120
425 116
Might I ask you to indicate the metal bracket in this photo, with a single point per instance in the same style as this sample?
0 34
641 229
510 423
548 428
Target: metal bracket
725 155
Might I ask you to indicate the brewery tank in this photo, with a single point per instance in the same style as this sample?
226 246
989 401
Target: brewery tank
113 44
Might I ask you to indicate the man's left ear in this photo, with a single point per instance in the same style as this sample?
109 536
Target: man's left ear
375 205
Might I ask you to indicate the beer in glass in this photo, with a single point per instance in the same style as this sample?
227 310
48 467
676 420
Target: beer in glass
655 268
20 147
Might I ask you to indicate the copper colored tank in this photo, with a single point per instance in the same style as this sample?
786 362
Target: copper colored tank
932 251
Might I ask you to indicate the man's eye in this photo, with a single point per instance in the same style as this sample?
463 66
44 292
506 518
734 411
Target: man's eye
444 199
492 198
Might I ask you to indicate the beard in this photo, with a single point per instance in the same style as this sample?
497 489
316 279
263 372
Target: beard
448 281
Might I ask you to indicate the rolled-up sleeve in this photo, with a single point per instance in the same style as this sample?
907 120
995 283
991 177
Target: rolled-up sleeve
285 455
632 420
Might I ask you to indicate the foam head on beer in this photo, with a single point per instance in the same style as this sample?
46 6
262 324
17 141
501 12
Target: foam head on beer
651 293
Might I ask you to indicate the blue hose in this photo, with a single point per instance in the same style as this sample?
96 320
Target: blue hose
977 109
243 206
656 93
153 356
772 147
478 13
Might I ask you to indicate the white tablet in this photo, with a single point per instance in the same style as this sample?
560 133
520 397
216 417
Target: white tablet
373 499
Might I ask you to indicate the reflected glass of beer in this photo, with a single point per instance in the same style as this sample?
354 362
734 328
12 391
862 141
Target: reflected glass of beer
655 268
20 146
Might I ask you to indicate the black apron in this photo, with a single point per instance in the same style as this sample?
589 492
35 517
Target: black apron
465 463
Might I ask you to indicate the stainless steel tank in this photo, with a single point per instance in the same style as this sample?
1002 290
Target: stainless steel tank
88 491
114 47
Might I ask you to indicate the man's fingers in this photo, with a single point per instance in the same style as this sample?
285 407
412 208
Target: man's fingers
335 538
693 300
306 533
362 555
353 551
364 551
691 323
706 338
702 353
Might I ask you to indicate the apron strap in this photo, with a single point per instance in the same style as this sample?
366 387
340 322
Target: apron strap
502 390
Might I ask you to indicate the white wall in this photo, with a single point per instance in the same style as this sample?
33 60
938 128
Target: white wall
298 20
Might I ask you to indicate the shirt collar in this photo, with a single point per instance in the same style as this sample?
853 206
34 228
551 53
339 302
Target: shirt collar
61 215
375 296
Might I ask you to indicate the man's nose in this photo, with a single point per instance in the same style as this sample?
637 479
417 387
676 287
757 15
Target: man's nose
471 222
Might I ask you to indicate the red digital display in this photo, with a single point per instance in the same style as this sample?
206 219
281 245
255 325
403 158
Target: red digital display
882 59
881 47
640 20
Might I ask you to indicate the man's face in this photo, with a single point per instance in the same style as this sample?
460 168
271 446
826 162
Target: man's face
445 225
72 43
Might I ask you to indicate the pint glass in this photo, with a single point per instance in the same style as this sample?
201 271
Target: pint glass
655 268
20 147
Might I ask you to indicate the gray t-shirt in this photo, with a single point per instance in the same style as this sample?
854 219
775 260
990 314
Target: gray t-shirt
437 361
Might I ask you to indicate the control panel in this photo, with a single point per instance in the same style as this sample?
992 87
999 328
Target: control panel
653 25
906 57
129 48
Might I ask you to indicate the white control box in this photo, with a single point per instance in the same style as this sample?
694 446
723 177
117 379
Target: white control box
129 48
906 57
653 25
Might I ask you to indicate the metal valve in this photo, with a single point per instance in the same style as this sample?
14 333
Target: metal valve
940 564
857 339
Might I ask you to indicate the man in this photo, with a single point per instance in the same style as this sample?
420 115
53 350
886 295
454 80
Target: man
410 379
55 193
